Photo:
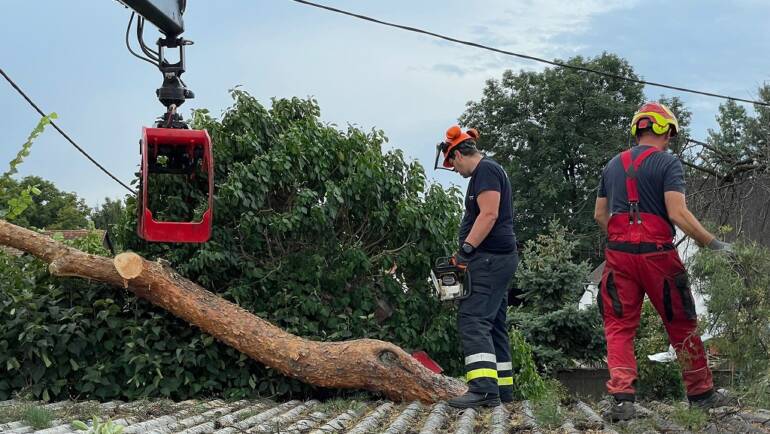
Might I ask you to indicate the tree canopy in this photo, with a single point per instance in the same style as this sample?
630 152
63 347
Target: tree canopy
50 208
553 131
316 229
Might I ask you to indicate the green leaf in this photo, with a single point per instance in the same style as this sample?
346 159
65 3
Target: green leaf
79 425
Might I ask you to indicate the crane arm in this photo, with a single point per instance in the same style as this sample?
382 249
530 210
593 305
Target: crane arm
166 15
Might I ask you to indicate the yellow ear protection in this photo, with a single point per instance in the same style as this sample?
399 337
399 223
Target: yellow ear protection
647 123
656 117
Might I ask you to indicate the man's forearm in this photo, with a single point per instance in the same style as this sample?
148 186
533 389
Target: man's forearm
690 225
480 229
602 213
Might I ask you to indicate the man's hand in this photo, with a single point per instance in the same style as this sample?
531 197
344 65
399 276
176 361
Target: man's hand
464 255
715 244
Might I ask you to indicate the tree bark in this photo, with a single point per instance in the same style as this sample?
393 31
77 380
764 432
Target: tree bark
358 364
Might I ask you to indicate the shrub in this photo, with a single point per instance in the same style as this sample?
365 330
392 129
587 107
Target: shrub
738 301
308 222
559 333
657 380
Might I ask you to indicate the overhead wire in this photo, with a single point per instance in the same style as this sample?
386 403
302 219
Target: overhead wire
528 57
153 59
67 137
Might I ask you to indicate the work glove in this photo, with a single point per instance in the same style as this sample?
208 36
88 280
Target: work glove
722 246
464 255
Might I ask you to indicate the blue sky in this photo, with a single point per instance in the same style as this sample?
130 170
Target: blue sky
70 57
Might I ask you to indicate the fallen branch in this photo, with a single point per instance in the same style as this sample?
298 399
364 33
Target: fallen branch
359 364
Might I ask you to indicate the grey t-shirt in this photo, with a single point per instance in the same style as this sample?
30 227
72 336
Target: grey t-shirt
659 173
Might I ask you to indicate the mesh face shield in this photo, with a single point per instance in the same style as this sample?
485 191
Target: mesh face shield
443 151
448 151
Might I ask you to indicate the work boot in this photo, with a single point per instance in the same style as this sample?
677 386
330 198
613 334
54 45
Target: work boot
620 410
506 397
714 399
475 400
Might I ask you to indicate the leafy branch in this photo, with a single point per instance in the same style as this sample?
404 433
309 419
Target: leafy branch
16 205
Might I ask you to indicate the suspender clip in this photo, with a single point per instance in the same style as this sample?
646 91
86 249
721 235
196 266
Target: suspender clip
634 215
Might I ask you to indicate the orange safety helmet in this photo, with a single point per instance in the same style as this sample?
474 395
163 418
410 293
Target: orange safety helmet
656 116
454 136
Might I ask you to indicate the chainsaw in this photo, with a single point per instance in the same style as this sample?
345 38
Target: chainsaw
451 281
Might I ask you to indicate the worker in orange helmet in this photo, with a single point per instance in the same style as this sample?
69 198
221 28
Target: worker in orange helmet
641 197
487 247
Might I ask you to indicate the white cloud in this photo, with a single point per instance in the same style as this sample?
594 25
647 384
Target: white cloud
538 28
450 69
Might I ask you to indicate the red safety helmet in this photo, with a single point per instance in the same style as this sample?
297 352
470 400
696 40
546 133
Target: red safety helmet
655 116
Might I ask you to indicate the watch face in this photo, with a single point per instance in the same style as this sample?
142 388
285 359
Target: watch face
467 248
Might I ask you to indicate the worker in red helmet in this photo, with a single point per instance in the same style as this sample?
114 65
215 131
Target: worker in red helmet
641 197
487 247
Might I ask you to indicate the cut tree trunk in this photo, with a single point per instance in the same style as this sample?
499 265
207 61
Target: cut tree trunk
358 364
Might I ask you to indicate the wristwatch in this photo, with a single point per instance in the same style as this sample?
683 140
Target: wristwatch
468 248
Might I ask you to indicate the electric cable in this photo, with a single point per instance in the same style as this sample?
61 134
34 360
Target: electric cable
528 57
82 151
128 45
152 54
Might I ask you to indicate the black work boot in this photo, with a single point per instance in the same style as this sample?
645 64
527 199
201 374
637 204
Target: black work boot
475 400
620 410
711 399
506 396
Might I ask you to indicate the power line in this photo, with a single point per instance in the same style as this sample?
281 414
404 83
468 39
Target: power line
82 151
528 57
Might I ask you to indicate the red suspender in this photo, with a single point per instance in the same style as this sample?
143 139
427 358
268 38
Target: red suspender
631 169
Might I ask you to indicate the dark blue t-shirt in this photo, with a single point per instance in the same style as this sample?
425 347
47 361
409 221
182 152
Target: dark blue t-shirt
490 176
659 173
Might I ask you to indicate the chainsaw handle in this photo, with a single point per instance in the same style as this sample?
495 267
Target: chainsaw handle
453 261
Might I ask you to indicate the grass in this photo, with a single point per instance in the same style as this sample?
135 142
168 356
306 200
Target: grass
636 426
548 413
339 405
757 394
37 417
547 408
31 414
693 419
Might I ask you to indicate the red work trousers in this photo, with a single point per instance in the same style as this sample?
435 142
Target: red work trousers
661 275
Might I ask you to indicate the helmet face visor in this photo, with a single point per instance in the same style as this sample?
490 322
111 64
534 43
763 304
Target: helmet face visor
445 150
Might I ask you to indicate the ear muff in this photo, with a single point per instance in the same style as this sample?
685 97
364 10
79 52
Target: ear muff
656 117
660 130
647 123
